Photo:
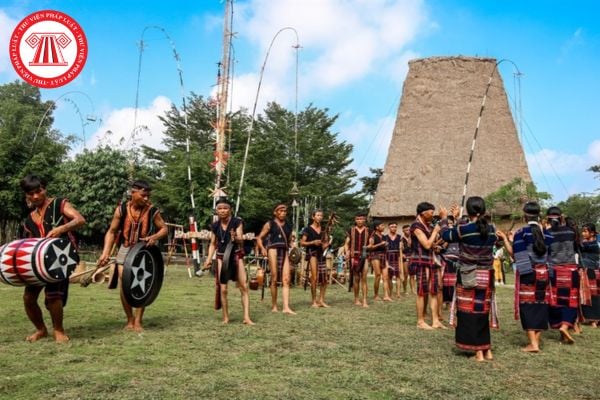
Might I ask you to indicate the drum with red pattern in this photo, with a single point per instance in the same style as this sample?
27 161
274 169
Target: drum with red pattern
37 262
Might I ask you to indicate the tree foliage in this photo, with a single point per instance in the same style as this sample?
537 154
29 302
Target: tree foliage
582 208
94 182
369 183
172 189
29 145
509 199
321 168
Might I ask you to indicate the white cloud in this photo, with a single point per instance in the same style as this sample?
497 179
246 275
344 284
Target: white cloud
7 25
371 140
575 40
564 174
117 128
342 41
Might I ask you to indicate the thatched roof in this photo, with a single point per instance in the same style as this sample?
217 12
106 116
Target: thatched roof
432 138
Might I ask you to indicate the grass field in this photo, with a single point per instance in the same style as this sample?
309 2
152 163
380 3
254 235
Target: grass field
344 352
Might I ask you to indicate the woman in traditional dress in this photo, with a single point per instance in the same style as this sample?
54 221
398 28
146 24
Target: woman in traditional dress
314 240
590 260
564 276
475 301
393 258
449 257
530 247
377 255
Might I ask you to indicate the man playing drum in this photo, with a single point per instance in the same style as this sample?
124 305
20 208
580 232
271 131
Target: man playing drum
51 218
133 221
225 231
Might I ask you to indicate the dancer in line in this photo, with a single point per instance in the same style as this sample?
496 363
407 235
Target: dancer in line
229 229
314 239
423 239
529 249
475 300
278 235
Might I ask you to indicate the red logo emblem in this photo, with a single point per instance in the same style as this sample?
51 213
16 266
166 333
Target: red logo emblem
48 49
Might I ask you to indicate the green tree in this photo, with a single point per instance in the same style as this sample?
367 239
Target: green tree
595 169
322 170
172 189
369 183
582 208
29 145
94 182
509 199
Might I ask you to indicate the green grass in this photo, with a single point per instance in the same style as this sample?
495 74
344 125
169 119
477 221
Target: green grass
344 352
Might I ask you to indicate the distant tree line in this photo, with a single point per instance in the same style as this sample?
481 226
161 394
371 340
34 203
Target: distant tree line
96 180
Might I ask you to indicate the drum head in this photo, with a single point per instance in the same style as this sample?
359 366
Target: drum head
143 272
295 255
60 259
228 267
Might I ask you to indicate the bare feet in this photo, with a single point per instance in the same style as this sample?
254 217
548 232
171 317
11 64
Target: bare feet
129 327
438 325
357 303
565 337
60 337
594 324
323 304
274 309
530 348
488 355
424 325
289 311
479 356
247 321
37 335
387 299
225 321
376 298
365 305
315 305
138 328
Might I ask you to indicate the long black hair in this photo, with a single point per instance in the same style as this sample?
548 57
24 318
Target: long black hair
532 213
476 208
554 215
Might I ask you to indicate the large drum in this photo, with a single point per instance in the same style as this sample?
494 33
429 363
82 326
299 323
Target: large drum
37 262
143 272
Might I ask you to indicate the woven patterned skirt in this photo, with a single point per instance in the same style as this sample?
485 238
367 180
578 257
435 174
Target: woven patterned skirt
393 260
591 313
321 266
532 296
564 295
449 281
427 278
475 312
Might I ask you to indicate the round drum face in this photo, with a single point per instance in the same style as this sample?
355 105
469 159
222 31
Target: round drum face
60 258
143 271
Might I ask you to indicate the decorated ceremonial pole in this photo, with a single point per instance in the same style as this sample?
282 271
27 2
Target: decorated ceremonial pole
192 222
481 109
221 124
251 127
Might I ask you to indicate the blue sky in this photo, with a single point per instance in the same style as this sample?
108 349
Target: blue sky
353 61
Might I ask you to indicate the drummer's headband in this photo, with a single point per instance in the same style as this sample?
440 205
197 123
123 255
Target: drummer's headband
279 207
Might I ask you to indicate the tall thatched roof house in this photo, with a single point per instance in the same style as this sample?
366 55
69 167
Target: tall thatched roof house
431 144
